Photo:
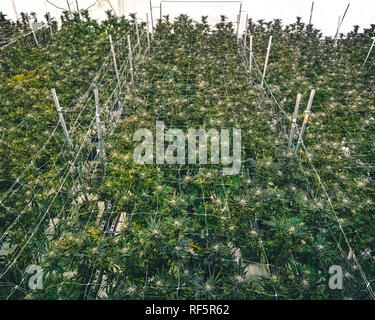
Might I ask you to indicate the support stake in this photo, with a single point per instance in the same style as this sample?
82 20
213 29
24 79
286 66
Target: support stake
98 126
238 26
305 120
266 62
244 38
340 23
79 14
311 12
368 55
61 118
152 19
294 120
251 53
66 132
130 59
70 11
136 29
32 30
15 9
114 62
148 33
49 22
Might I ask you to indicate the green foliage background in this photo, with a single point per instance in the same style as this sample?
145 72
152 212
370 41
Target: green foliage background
189 231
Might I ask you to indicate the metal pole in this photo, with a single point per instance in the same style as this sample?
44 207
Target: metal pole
136 28
98 125
32 30
368 55
311 12
70 11
266 62
340 23
79 15
160 11
114 61
152 19
61 118
148 33
130 59
294 120
251 53
337 31
305 120
109 2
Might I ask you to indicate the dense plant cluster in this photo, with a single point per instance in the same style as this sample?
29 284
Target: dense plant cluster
187 231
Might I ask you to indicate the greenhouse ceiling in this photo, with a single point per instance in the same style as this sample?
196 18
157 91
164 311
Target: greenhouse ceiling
325 13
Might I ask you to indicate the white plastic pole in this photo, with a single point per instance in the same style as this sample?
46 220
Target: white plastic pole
238 26
32 30
152 19
244 39
130 59
368 55
305 120
98 126
294 120
136 29
66 132
15 9
238 22
50 25
148 32
114 60
266 62
61 118
251 53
